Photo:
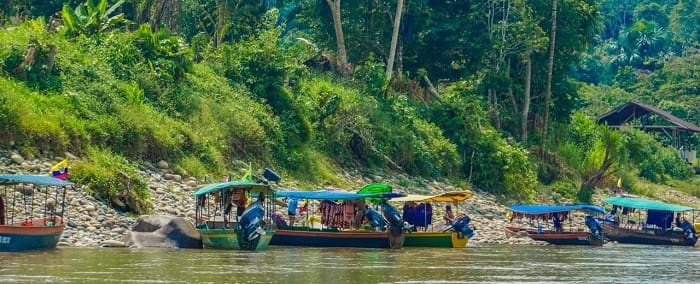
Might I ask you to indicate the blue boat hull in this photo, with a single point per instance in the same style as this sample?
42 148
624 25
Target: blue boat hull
16 238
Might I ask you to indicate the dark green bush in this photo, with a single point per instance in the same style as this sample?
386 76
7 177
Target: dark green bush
490 161
654 161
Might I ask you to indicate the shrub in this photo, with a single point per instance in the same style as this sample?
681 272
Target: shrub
194 167
111 178
567 189
654 161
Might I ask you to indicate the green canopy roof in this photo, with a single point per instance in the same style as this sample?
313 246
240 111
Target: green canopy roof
236 184
641 203
374 188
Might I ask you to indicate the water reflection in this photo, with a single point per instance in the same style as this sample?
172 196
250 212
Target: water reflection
485 264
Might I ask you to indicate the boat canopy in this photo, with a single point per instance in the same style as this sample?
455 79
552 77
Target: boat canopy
452 196
334 195
641 203
33 179
375 188
236 184
544 209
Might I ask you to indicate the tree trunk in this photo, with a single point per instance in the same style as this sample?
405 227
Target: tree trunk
430 89
495 109
595 178
399 58
166 12
339 38
550 67
526 99
394 39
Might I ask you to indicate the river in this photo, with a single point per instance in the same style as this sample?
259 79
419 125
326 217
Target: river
482 264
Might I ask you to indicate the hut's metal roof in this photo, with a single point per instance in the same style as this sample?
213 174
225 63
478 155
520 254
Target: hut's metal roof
633 110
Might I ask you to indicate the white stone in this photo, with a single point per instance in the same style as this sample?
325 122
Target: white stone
17 158
112 243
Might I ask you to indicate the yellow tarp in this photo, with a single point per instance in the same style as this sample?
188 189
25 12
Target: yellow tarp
452 196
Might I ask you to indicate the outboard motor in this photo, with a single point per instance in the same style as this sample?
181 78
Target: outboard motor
252 221
461 226
374 219
594 226
395 220
689 231
271 175
392 215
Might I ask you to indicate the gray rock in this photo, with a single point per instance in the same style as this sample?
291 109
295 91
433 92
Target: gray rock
17 158
118 230
112 243
163 231
70 156
173 211
173 177
163 164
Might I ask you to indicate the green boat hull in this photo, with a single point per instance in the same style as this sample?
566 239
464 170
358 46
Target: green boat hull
435 240
233 239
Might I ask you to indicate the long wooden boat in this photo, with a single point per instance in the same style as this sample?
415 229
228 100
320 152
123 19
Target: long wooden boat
557 213
34 227
385 232
515 230
656 228
454 236
248 228
566 238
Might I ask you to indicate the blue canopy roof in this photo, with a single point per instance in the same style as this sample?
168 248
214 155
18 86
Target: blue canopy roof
334 195
641 203
33 179
236 184
542 209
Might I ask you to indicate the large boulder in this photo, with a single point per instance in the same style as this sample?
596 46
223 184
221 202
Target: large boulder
163 232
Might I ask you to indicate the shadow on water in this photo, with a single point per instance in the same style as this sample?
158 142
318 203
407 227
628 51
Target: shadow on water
485 264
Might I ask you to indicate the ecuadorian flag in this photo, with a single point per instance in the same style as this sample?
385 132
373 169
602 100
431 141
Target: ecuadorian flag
60 170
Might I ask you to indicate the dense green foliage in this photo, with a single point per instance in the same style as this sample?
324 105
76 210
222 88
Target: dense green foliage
112 179
206 84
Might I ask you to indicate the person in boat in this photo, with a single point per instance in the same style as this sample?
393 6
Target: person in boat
292 210
610 216
261 199
239 199
679 221
557 222
449 216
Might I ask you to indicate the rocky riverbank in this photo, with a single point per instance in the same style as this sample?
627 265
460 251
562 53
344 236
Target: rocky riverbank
91 222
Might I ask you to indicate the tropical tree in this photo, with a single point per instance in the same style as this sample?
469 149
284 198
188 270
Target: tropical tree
394 39
91 19
550 70
612 143
167 54
342 59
